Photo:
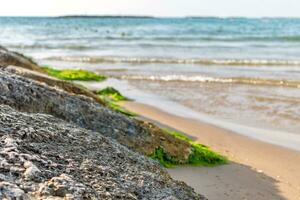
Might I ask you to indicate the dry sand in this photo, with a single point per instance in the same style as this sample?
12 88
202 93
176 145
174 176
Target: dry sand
258 171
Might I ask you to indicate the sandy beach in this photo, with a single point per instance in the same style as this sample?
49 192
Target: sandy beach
257 170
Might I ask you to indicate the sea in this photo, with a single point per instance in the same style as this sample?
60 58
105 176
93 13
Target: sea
241 74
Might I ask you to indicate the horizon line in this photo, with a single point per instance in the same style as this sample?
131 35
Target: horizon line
149 16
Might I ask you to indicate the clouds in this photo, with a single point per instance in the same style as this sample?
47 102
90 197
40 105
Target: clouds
152 7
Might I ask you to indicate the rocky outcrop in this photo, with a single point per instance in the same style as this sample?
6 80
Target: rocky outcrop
13 58
53 82
49 98
42 157
59 141
31 96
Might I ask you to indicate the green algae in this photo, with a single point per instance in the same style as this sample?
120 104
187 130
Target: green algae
119 109
163 158
200 154
74 74
112 93
112 97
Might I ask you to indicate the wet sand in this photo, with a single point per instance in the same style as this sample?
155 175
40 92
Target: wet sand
257 170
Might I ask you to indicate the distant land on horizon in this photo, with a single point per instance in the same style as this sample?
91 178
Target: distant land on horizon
152 17
187 17
105 16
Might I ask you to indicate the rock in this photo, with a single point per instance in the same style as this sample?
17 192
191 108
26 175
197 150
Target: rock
59 141
31 96
62 186
74 163
13 58
53 82
10 191
31 171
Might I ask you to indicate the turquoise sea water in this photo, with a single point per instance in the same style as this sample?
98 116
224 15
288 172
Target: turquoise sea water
238 70
194 39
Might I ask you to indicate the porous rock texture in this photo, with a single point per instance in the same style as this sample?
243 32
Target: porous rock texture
42 157
58 141
31 96
53 82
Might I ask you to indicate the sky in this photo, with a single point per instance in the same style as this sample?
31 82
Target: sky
221 8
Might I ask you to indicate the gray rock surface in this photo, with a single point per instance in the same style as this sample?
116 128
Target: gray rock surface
27 95
42 157
58 141
53 82
13 58
30 96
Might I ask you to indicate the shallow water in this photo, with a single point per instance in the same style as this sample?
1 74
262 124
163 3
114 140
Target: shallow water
242 71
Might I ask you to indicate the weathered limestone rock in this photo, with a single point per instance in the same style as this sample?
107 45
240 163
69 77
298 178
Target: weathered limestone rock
53 143
31 96
31 171
23 66
11 191
13 58
53 82
42 157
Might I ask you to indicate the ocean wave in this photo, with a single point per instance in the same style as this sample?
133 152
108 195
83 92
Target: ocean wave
45 46
211 36
206 79
214 37
148 60
294 38
124 45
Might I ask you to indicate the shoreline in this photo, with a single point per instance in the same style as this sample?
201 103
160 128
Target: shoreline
290 140
258 170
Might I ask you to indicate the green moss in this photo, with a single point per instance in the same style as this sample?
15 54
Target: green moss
201 155
178 135
74 74
119 109
112 96
163 158
112 93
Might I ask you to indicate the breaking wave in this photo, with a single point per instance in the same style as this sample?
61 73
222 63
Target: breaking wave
206 79
148 60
